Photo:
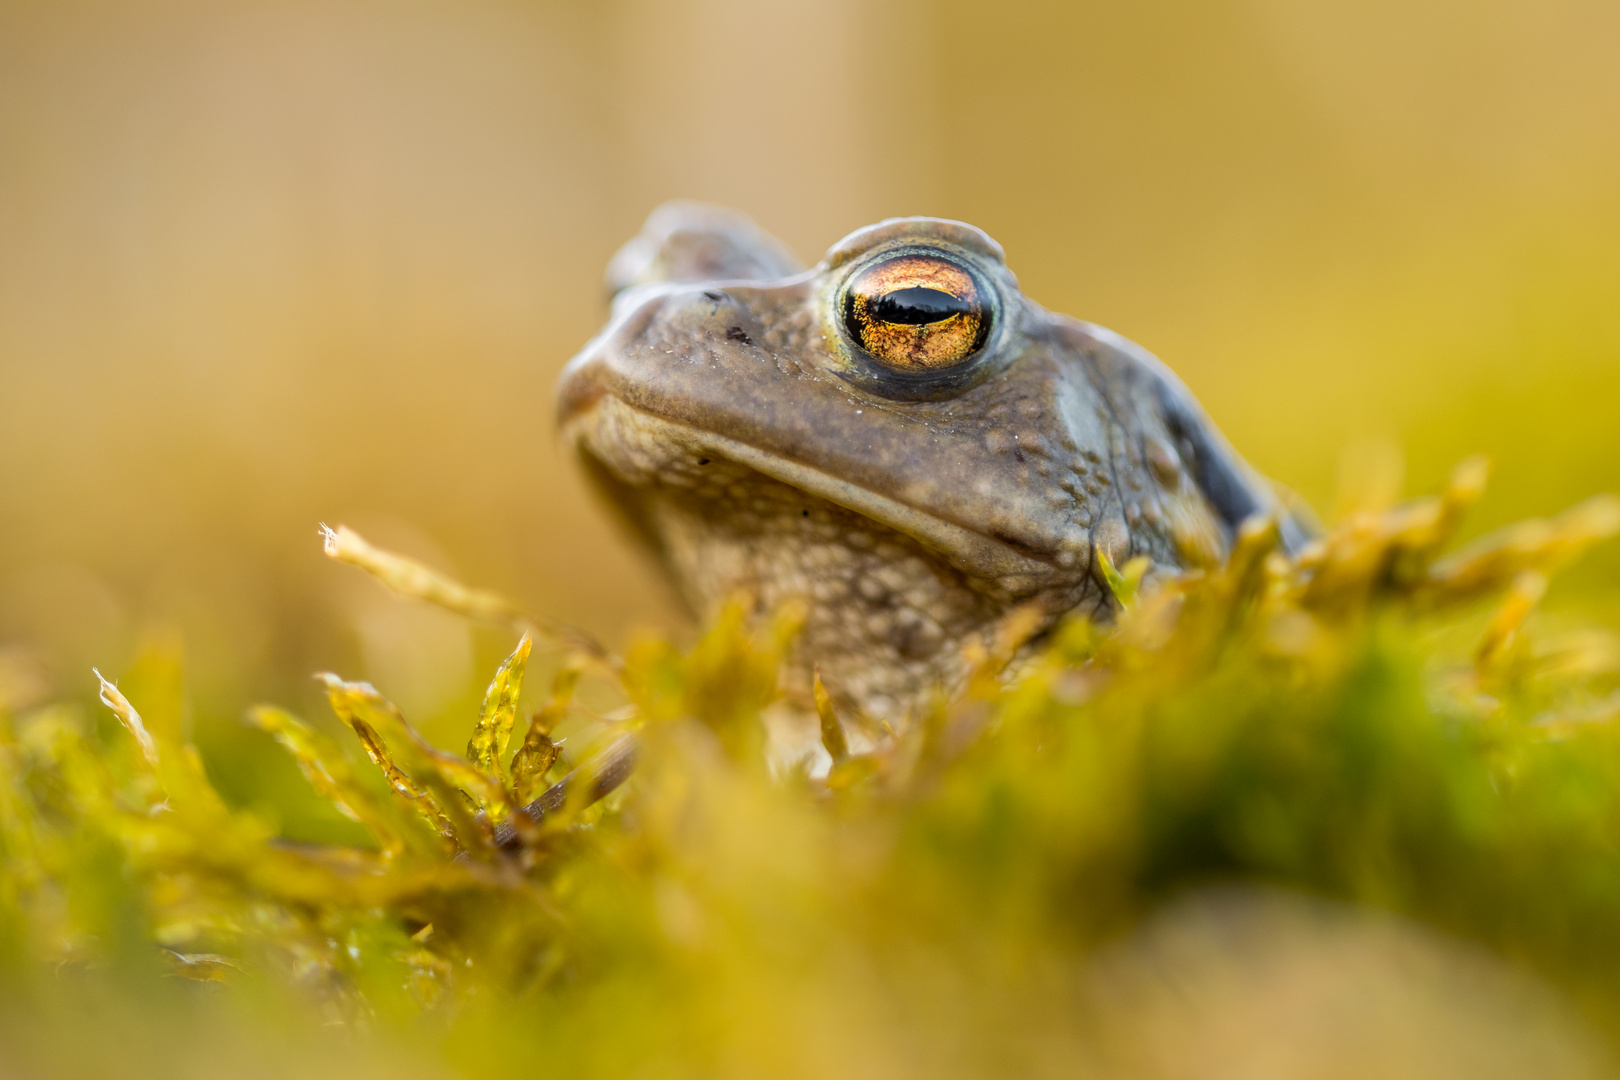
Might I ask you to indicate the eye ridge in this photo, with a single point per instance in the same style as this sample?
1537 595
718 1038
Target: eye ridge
918 306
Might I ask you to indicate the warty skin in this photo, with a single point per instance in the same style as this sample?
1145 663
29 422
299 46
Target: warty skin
732 415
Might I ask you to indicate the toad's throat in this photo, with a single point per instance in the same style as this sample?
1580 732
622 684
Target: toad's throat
886 617
894 594
876 596
639 448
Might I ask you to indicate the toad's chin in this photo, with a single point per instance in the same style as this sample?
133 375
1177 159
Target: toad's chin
894 594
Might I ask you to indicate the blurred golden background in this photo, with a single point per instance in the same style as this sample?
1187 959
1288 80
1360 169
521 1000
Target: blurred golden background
268 264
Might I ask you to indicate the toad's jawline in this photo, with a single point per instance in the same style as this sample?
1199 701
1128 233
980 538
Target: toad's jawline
973 552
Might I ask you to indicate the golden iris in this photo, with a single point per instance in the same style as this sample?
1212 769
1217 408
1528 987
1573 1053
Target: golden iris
917 313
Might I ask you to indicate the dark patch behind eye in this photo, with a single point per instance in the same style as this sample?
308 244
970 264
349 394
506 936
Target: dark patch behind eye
917 306
1216 473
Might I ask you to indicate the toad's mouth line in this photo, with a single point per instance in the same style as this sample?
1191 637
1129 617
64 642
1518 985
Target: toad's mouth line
971 551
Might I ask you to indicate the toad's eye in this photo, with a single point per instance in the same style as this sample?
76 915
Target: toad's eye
917 313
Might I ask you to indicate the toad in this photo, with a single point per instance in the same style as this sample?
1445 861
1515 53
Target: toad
896 436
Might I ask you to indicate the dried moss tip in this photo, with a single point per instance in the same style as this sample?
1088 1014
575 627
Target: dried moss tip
119 704
410 578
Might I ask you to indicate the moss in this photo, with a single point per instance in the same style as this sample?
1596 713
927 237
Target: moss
1343 724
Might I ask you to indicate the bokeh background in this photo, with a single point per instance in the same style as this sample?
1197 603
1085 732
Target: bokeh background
268 264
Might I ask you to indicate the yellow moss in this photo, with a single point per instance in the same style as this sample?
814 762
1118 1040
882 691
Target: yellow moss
669 909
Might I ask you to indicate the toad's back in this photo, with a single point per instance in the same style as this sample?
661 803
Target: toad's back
896 435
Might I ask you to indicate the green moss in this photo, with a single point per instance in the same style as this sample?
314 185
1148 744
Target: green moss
1310 724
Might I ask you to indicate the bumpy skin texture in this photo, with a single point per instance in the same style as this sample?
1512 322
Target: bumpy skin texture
728 412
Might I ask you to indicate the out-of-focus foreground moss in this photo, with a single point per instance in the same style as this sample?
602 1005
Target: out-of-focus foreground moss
1093 860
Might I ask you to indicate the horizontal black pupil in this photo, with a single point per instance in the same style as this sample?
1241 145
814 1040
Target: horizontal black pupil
917 305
